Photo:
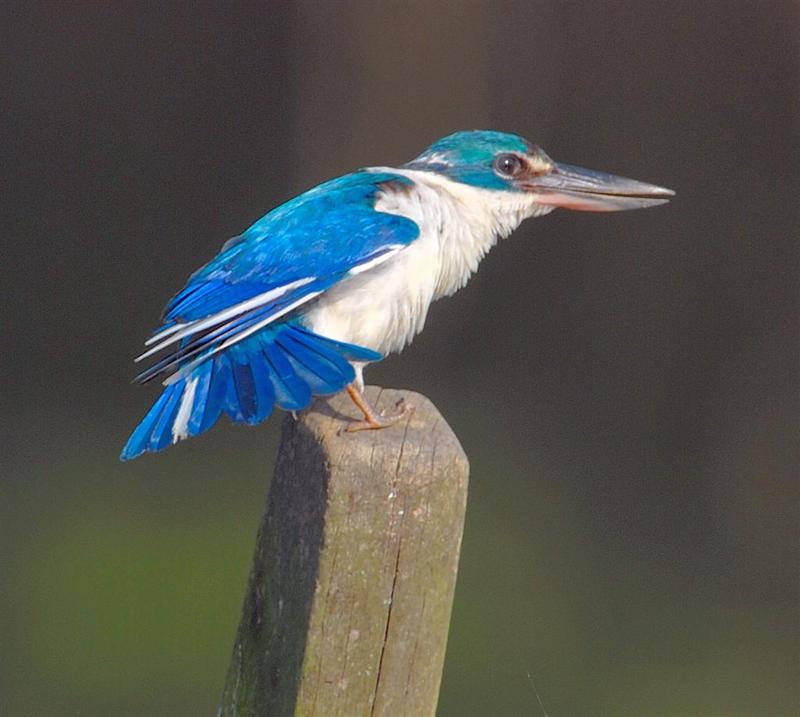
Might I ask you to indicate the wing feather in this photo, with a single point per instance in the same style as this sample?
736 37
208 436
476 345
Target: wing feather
282 262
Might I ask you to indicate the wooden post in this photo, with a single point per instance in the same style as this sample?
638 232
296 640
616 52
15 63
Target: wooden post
349 598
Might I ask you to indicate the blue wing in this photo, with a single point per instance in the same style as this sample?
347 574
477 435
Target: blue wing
286 259
235 342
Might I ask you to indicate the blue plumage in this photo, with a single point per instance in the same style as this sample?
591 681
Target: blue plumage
210 393
467 158
285 366
295 306
308 244
323 233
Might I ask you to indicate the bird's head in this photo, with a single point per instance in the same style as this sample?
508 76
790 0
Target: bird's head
508 163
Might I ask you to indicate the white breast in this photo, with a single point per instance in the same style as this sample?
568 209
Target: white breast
384 307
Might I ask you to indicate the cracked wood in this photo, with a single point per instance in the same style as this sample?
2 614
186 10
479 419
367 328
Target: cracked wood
349 598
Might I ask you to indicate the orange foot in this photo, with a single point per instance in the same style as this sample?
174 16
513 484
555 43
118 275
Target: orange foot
372 419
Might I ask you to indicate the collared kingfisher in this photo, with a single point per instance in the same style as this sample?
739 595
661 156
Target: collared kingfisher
342 275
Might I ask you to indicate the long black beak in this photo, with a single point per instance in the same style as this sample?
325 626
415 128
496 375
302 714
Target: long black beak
589 191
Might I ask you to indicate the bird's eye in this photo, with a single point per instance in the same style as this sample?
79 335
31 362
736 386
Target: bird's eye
508 165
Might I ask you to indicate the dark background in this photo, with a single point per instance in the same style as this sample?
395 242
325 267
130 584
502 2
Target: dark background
625 385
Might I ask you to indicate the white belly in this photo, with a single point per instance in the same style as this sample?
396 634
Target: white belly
384 308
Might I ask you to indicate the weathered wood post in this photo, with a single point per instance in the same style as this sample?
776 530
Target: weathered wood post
349 598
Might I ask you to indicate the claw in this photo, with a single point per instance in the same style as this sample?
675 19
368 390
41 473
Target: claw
372 419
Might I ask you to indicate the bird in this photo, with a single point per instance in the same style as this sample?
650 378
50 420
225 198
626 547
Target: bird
343 275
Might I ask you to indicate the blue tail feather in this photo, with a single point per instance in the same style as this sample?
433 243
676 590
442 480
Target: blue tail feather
265 393
291 393
249 399
208 398
285 366
161 436
150 431
323 370
350 351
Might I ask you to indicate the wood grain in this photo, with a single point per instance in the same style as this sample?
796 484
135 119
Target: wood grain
349 598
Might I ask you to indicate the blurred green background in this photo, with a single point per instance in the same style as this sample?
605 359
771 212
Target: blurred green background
625 385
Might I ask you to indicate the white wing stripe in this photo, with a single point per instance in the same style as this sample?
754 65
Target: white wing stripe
194 326
184 370
180 429
261 324
391 250
162 333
